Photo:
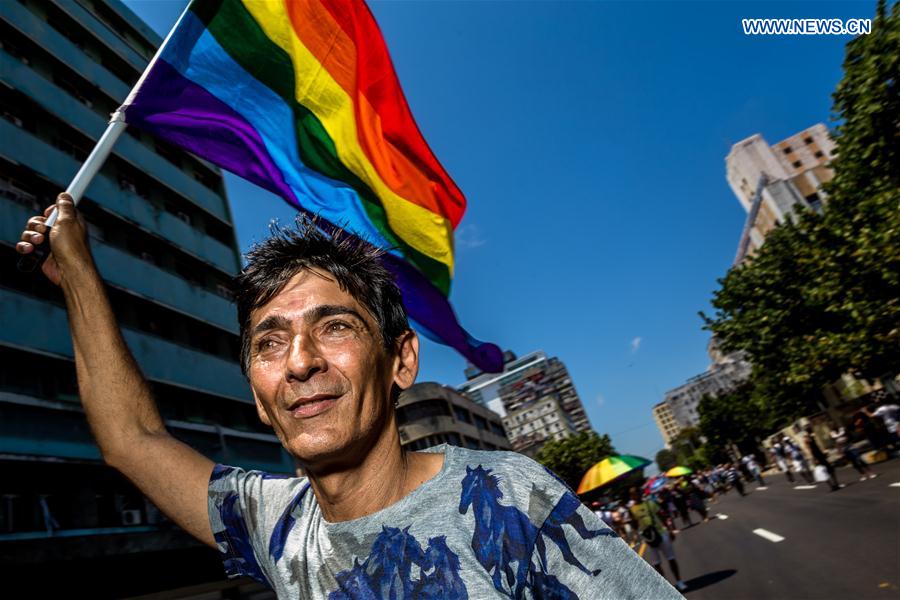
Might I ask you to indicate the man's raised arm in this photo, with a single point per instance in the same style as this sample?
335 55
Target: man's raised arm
116 398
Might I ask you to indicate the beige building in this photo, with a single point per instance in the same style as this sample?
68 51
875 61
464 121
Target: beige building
665 422
429 414
769 181
531 425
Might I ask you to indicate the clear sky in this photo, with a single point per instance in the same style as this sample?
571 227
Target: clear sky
589 139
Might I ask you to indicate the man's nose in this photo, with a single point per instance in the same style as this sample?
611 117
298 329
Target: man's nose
304 359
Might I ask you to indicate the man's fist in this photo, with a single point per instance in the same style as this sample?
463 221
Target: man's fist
68 240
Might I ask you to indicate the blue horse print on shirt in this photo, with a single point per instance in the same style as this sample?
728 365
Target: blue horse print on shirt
504 534
566 513
236 538
388 571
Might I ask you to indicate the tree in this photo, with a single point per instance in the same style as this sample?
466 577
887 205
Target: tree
822 296
665 460
571 457
731 419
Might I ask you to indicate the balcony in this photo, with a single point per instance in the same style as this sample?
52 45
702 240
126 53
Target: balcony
70 54
129 272
21 147
40 326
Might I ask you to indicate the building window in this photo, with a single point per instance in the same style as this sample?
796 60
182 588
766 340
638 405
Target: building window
797 164
787 150
481 423
808 140
819 154
461 414
422 410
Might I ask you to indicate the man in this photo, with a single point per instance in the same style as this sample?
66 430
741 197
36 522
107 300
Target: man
821 458
798 460
655 534
326 348
890 415
753 468
781 460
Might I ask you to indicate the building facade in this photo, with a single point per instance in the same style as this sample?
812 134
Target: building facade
770 181
665 422
721 377
534 395
164 241
429 414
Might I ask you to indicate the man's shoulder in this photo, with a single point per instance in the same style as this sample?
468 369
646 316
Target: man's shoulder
510 479
506 463
230 478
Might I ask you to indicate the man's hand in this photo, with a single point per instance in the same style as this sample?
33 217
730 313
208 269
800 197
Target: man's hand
68 240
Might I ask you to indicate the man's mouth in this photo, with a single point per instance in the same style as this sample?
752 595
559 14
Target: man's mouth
310 406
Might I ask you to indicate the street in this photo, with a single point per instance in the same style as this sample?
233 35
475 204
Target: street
784 542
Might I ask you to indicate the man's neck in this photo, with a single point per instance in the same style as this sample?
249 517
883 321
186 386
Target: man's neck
386 475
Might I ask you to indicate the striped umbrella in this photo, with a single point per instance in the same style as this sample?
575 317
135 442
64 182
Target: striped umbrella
610 469
678 471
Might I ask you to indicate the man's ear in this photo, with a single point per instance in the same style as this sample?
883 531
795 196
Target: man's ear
406 362
263 415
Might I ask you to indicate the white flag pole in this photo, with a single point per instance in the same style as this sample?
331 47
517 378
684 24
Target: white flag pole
98 155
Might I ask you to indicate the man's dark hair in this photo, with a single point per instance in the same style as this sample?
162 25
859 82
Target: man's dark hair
314 244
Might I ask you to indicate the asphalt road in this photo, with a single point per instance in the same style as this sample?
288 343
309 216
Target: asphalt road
841 545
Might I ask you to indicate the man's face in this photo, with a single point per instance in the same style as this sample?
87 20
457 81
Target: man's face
319 371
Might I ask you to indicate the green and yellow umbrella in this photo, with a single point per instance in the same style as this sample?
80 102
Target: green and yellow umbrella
610 469
678 471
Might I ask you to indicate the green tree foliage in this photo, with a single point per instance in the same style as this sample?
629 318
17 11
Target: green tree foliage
571 457
822 296
728 419
687 447
665 460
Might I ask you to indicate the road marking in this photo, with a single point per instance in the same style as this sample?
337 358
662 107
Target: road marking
721 516
895 484
761 487
772 537
804 487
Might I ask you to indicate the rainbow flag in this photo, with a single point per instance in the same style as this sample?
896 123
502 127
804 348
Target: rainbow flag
300 97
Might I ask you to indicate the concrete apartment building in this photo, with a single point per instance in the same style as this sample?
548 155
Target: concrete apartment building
163 238
721 377
665 422
534 395
429 414
769 181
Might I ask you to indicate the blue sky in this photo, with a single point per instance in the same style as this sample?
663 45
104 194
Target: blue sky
589 139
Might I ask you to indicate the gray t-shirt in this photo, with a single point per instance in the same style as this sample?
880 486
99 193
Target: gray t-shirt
488 525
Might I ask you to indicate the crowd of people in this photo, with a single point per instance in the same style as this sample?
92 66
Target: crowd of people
655 515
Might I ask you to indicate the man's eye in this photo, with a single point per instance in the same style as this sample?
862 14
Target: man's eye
336 327
265 344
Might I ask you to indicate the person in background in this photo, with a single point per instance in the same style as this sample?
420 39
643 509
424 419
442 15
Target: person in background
890 416
781 460
696 498
797 459
842 443
734 478
753 469
680 500
655 535
819 456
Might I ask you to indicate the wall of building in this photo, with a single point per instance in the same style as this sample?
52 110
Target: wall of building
519 393
163 238
429 414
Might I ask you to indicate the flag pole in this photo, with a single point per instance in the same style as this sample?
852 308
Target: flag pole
98 155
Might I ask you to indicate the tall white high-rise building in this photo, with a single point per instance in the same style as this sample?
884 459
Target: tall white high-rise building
769 181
